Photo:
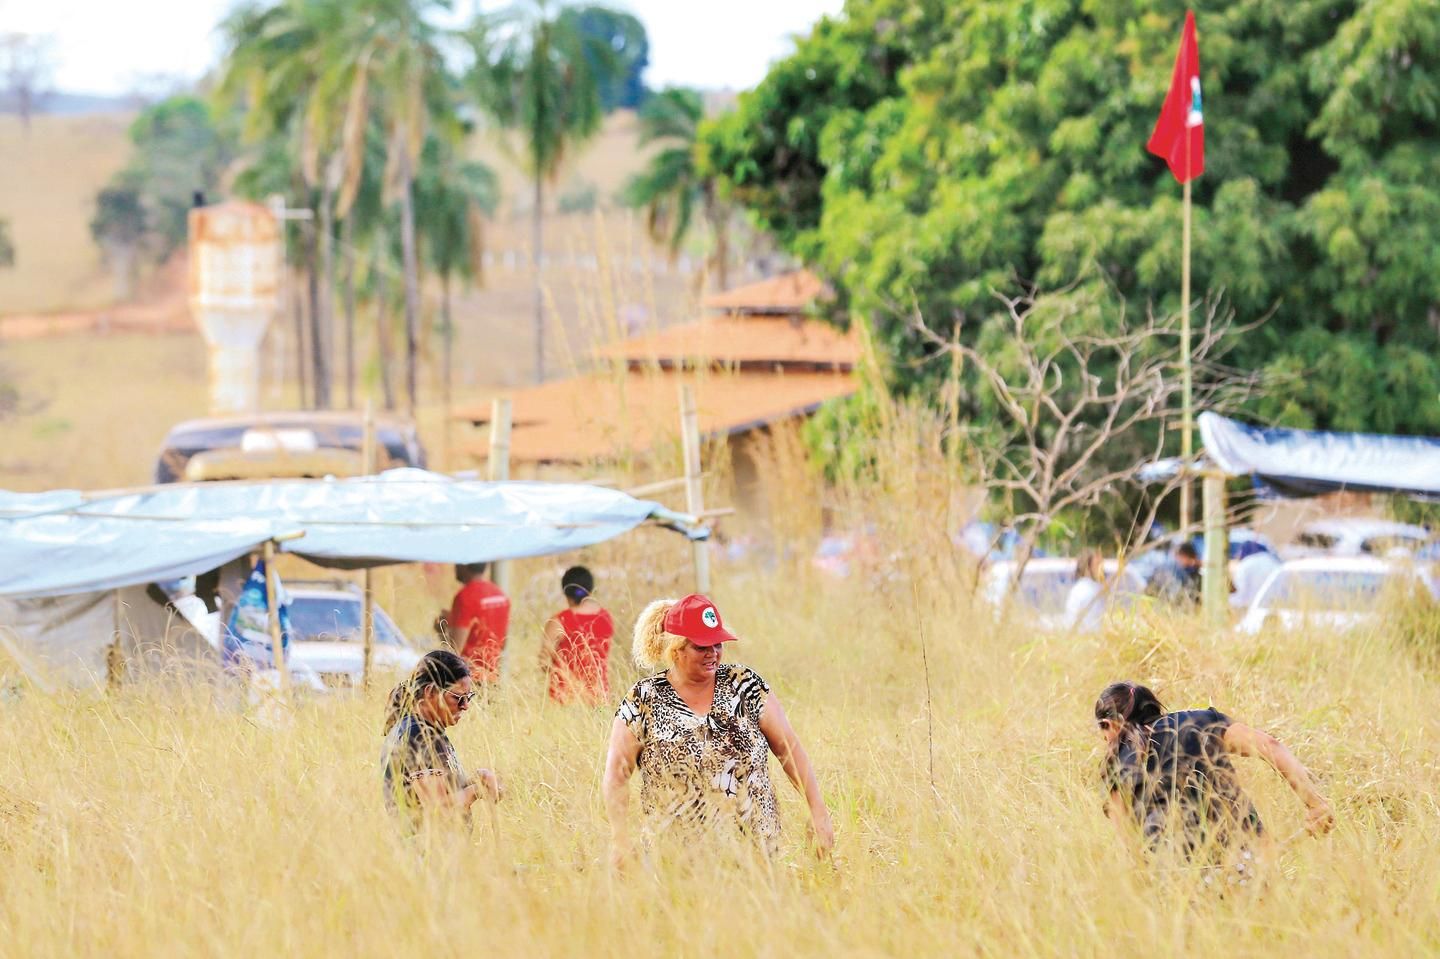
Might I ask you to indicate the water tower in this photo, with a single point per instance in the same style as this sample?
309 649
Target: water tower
235 263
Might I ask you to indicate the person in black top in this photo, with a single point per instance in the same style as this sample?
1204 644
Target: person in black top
1170 774
421 775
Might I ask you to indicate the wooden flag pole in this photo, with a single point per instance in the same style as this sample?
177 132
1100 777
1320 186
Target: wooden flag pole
1187 422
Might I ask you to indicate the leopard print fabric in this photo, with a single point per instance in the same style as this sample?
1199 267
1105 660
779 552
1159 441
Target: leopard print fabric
705 773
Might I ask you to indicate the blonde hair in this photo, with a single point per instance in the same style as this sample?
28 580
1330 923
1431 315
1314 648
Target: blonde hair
653 646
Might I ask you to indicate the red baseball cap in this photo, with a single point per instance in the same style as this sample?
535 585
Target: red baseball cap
697 619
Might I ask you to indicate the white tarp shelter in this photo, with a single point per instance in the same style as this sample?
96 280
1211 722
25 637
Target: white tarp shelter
75 567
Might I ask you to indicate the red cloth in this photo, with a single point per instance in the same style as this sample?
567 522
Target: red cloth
580 662
1181 119
481 613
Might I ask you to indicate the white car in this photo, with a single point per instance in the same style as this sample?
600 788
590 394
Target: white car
325 624
1356 536
1045 585
1337 593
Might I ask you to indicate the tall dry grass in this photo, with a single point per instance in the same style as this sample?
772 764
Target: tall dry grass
957 756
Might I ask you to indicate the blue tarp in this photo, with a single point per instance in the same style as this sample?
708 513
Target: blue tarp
1310 462
63 542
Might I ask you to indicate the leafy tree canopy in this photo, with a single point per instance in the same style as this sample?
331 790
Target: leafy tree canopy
923 154
622 84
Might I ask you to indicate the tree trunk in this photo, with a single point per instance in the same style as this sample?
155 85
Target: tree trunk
382 329
536 216
322 299
346 233
447 332
300 358
412 281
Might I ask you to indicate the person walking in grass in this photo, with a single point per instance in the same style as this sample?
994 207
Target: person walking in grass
1085 603
701 732
422 776
576 650
1170 775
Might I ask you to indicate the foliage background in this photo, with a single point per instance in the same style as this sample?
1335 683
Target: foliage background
924 154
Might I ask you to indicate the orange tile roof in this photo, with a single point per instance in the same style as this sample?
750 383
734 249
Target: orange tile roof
747 341
786 293
602 416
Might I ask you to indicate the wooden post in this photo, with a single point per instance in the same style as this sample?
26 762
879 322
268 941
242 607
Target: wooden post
367 605
272 608
694 494
499 470
1216 588
115 655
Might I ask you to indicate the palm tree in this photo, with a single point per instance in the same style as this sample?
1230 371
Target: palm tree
452 198
673 184
540 73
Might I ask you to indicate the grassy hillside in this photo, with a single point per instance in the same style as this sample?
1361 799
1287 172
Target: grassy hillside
48 182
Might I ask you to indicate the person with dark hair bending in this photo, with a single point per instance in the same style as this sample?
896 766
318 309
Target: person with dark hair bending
422 777
1170 775
576 651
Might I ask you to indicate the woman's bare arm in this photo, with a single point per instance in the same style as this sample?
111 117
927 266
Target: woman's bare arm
786 746
553 633
620 759
1243 740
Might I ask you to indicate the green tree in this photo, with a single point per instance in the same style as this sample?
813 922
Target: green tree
925 155
675 184
7 246
624 34
539 73
119 226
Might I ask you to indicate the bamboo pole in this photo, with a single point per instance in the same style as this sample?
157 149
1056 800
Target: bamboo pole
499 471
367 604
1215 593
1187 424
272 610
694 492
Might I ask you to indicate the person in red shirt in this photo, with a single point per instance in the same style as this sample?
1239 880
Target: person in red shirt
577 643
478 621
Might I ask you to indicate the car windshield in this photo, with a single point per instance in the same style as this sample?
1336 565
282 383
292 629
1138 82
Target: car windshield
1325 589
329 619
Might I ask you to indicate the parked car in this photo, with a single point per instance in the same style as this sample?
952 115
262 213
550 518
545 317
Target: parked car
1045 585
298 444
326 640
1356 536
1330 592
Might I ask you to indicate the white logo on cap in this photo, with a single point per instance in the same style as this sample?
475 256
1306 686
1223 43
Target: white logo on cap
709 618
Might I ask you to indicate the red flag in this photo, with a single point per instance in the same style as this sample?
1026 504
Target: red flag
1179 135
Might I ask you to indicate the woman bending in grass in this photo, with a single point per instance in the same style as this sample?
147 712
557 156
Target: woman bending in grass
421 774
1170 775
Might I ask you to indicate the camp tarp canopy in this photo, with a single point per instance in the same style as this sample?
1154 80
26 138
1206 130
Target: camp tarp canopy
1310 462
66 542
76 568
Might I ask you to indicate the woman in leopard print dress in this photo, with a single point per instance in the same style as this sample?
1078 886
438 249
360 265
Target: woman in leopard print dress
701 732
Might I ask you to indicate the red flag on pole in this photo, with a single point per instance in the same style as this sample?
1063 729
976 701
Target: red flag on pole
1179 136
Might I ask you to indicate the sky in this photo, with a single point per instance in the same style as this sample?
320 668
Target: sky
115 46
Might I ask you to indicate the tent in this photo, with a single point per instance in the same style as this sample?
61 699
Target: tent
76 568
1300 463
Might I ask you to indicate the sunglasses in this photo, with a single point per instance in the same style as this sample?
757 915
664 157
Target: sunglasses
462 700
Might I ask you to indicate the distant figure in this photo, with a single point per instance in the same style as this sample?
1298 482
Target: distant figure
1178 578
1085 605
421 775
478 621
1170 775
1249 571
577 642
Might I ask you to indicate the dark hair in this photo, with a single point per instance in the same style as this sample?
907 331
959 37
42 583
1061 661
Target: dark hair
1084 561
577 583
472 569
1187 550
438 668
1129 704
